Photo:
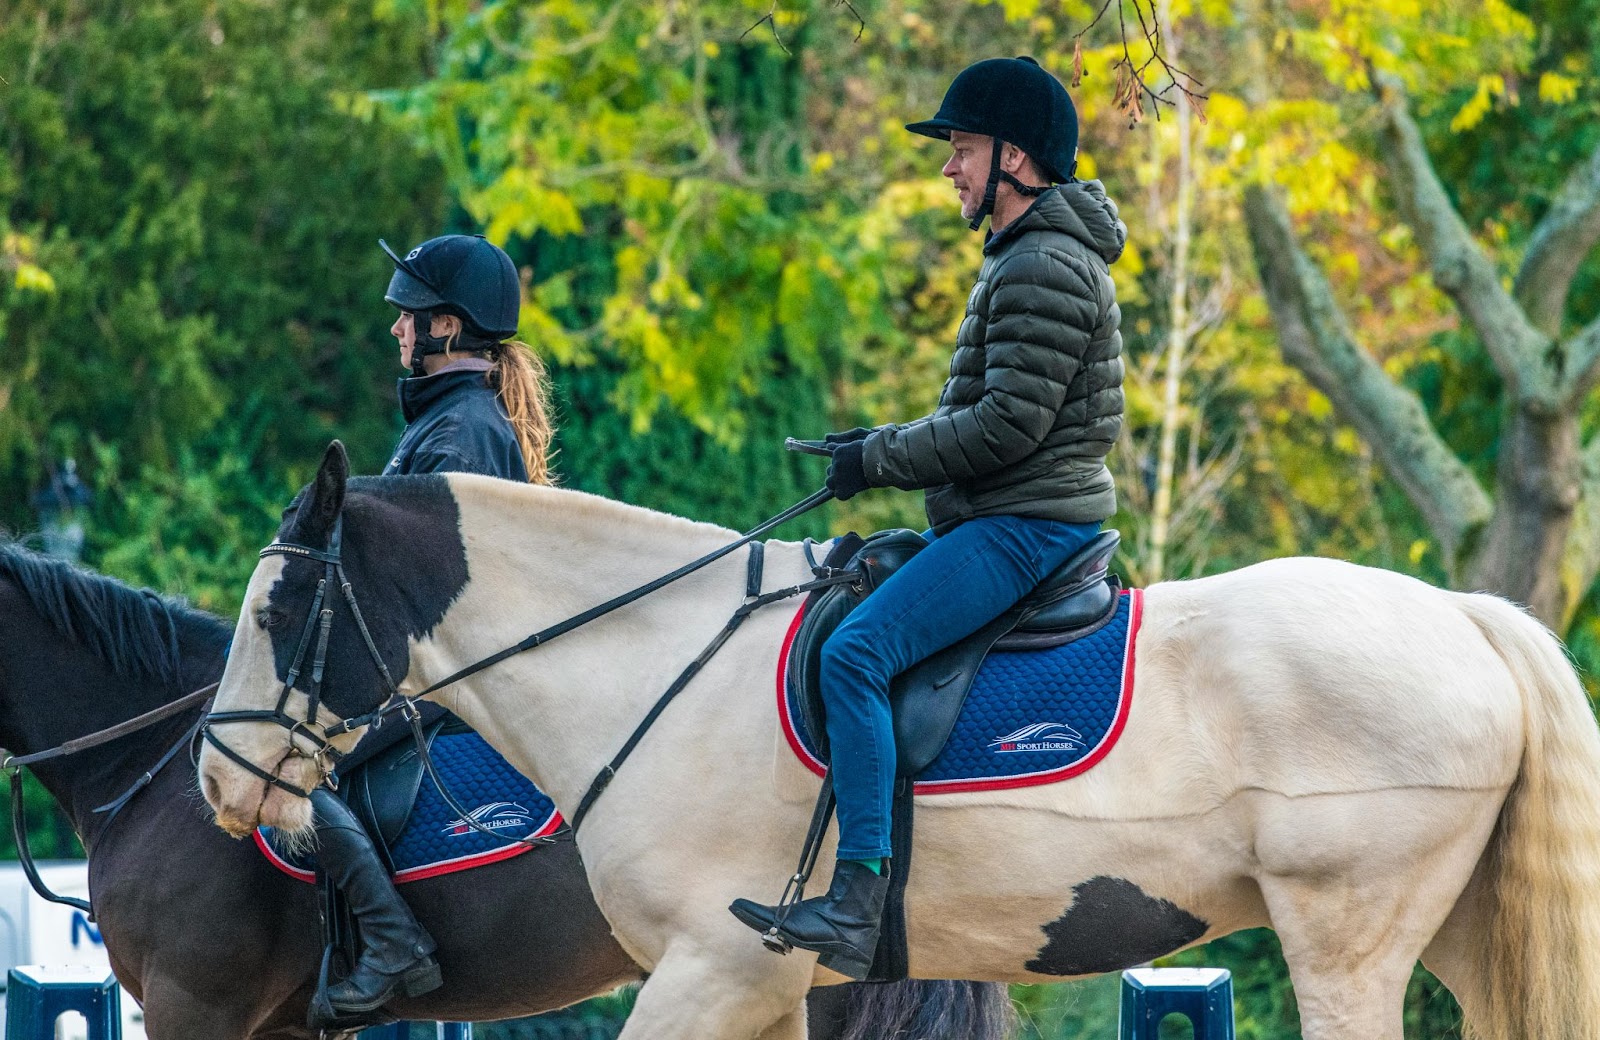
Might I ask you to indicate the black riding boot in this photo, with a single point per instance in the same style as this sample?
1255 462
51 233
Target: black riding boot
396 952
842 925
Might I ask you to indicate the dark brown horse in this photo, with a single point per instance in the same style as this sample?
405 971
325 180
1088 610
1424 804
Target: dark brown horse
219 945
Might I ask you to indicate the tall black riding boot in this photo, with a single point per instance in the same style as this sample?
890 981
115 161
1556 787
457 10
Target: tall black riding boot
842 925
396 952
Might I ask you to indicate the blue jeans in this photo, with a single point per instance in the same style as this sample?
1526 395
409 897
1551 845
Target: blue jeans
954 587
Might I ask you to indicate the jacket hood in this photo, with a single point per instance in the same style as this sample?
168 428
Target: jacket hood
1080 209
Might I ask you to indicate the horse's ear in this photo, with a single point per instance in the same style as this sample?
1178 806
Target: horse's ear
327 490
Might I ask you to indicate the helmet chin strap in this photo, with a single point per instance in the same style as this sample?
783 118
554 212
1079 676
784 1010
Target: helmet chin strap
996 175
425 344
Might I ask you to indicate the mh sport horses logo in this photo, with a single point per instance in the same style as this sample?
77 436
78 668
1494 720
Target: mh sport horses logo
496 816
1041 736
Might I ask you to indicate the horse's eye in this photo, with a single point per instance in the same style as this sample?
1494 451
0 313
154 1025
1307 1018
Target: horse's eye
269 619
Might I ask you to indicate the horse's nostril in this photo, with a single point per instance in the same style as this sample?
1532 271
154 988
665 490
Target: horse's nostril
212 792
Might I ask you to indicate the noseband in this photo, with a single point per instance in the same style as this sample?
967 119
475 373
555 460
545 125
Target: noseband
319 621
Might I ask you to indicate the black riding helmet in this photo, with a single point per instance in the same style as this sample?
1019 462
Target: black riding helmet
1010 99
464 275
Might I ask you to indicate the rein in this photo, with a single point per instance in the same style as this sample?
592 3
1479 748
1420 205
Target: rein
321 618
13 765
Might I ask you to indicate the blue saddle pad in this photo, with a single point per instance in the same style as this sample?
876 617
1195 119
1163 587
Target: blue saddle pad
435 839
1032 716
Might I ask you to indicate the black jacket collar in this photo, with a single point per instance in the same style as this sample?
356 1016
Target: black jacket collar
419 393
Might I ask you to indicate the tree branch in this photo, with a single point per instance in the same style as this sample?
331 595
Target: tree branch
1580 564
1315 337
1457 263
1581 357
1560 243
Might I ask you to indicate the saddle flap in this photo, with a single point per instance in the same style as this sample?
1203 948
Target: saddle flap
382 790
926 699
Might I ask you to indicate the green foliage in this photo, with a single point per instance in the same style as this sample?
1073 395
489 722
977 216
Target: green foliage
196 308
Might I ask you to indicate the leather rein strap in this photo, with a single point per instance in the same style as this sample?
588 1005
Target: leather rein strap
13 764
753 601
561 628
106 736
405 705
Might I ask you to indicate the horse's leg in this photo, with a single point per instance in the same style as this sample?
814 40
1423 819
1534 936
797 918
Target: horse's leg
169 1014
723 994
1355 902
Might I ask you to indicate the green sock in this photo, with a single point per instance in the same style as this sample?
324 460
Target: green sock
874 865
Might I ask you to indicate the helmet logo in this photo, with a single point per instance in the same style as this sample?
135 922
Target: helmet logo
414 254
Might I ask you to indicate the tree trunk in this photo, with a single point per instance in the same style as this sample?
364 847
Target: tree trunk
1524 545
1178 320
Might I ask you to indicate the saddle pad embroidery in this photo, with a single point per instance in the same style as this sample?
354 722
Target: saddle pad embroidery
435 840
1032 716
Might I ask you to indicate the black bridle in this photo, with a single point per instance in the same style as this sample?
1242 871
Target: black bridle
320 620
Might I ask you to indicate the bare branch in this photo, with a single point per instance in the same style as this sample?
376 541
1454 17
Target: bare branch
769 19
1560 242
1458 264
861 23
1132 87
1316 338
1097 16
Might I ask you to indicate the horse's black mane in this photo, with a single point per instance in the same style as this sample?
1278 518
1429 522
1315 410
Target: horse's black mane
134 631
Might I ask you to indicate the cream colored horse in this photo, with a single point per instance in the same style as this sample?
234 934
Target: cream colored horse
1378 770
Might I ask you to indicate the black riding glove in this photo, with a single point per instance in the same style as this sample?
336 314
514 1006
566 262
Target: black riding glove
848 437
847 474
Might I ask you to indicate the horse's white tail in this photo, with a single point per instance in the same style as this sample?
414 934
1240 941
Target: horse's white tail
1533 968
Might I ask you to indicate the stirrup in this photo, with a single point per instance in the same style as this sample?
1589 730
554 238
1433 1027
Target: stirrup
795 890
321 1016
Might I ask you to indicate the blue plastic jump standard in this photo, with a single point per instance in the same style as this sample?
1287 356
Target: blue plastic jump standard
402 1031
392 1031
1203 995
37 996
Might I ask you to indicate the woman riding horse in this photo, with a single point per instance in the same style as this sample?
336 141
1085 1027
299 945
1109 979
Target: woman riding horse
1012 460
475 402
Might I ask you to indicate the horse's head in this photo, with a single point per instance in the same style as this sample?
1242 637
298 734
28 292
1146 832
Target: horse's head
358 570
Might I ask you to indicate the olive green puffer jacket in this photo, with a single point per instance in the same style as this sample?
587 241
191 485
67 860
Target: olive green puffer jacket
1034 399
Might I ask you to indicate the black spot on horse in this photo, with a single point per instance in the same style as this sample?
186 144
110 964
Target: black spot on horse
405 560
1112 925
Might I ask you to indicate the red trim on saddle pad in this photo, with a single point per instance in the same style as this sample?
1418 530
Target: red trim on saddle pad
1125 704
426 870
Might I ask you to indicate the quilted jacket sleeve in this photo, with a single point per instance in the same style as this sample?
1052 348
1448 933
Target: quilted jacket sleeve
1043 311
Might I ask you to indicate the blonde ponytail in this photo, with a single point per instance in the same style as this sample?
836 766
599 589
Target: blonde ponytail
519 378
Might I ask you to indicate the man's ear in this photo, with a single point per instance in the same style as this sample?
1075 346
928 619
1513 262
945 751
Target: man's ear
1013 160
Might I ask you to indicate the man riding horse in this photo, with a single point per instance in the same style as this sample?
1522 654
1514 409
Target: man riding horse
1012 460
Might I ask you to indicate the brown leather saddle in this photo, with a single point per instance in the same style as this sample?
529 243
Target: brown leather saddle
1076 599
